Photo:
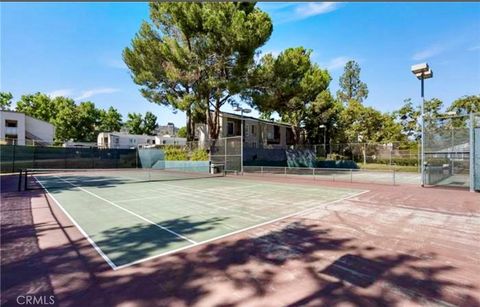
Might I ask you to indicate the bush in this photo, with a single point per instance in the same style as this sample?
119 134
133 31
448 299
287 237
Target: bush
199 155
174 153
398 161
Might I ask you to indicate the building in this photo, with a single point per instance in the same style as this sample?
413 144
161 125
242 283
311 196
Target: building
125 140
168 129
73 144
258 133
20 129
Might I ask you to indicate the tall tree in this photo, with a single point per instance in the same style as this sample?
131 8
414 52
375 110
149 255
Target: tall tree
182 132
194 56
87 121
365 124
64 118
351 87
37 105
287 84
5 101
432 110
110 120
462 107
134 123
408 117
324 111
149 123
466 105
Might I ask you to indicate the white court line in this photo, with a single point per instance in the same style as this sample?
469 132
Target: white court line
83 232
129 211
238 231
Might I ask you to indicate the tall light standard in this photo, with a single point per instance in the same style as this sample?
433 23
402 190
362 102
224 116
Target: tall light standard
241 110
324 138
422 71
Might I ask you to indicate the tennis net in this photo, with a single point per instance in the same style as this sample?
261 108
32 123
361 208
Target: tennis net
67 178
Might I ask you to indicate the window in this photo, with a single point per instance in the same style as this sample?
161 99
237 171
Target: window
11 123
276 132
273 134
230 128
253 130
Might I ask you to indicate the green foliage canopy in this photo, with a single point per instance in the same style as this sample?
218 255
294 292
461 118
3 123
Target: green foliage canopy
351 87
5 100
287 84
195 56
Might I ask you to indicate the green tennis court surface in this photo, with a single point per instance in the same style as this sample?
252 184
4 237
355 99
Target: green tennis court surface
130 223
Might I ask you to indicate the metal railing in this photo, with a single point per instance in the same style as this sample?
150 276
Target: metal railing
390 176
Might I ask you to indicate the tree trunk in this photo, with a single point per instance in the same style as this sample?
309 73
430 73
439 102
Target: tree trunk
296 134
190 135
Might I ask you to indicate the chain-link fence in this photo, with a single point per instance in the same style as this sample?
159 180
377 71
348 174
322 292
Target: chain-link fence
16 157
228 152
448 146
364 155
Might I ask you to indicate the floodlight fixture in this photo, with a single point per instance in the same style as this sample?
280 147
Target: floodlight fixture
425 75
420 68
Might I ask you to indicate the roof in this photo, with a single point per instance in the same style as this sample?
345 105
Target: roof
237 116
128 135
21 113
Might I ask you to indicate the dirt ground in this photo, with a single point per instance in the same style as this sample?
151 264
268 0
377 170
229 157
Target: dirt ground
392 246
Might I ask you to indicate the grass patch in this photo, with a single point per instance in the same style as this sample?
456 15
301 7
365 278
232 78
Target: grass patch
378 166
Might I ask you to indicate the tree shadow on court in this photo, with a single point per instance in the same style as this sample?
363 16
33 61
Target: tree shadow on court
127 244
296 262
276 261
22 268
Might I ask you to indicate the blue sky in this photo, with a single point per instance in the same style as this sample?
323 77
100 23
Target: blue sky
74 49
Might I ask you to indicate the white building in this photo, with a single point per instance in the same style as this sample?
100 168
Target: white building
20 129
73 144
258 133
125 140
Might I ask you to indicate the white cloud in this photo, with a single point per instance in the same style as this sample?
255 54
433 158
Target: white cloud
336 63
287 12
60 92
474 48
428 53
97 91
306 10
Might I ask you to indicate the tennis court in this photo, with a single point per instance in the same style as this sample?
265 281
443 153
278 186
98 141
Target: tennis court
130 216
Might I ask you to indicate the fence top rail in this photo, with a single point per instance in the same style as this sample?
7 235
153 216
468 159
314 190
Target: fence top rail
320 169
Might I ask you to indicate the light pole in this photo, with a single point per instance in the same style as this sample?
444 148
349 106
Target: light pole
241 110
324 138
422 72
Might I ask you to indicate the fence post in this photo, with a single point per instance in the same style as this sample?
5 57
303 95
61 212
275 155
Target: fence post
393 175
285 170
261 170
364 153
225 154
472 153
19 188
351 175
65 157
314 174
13 157
92 153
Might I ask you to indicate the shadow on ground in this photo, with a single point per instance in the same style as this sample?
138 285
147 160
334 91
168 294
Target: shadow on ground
293 262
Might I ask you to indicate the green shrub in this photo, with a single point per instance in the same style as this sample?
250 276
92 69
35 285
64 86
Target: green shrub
174 153
397 161
199 155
